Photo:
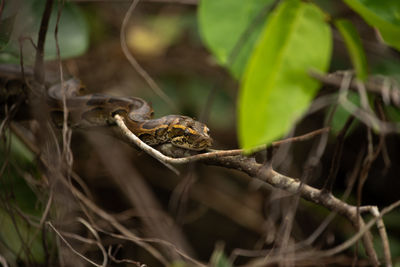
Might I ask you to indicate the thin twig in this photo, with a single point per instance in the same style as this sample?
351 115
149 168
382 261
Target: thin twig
157 241
71 247
98 240
39 61
66 131
124 231
384 237
112 257
303 137
153 85
332 215
47 209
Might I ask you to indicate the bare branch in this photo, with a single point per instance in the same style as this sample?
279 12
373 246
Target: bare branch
209 155
268 175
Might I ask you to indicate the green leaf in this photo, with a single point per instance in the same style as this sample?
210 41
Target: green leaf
73 32
276 88
354 47
383 14
223 23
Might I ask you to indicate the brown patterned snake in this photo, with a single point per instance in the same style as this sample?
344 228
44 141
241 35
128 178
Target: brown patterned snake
98 110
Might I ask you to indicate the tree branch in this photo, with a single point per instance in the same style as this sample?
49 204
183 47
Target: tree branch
266 174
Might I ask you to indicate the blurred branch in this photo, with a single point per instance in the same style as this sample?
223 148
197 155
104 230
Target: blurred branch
383 86
39 61
389 91
75 251
3 261
204 156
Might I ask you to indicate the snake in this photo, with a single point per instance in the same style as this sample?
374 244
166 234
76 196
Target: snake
96 110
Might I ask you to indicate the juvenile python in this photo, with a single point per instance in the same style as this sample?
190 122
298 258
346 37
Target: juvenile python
98 110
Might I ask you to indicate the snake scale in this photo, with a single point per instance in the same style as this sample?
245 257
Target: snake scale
97 110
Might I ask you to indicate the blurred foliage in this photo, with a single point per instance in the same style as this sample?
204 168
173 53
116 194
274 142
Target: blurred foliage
388 67
223 33
384 15
23 17
21 239
155 35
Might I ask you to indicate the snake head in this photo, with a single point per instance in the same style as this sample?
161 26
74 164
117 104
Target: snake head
190 134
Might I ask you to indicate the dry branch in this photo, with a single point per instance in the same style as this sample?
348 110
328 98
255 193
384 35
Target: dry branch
266 174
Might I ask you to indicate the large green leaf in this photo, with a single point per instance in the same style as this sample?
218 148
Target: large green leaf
229 28
276 88
382 14
73 31
354 47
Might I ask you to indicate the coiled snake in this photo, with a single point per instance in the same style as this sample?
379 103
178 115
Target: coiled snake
98 110
85 111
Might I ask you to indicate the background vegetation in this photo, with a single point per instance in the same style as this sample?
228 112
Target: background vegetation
254 72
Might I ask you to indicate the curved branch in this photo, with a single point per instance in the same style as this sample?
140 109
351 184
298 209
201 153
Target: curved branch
266 174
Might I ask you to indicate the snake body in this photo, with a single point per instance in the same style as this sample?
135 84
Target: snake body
98 110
